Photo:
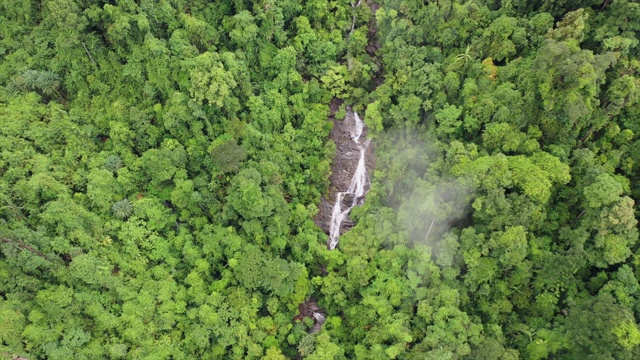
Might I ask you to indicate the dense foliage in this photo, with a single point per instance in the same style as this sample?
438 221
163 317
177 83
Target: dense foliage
161 162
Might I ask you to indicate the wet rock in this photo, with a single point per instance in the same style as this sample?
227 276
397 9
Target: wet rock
319 321
311 310
343 168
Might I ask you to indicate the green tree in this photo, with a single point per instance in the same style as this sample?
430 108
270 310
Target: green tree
600 328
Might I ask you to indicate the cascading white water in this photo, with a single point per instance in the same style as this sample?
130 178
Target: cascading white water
357 186
319 321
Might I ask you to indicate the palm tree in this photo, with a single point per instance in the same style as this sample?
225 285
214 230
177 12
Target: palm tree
122 209
465 57
113 163
46 82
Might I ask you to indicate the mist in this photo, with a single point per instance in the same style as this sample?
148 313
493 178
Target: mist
428 201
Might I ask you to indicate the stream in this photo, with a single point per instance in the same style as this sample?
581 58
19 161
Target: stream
349 177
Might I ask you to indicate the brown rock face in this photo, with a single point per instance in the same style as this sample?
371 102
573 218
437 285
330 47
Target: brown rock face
347 154
343 168
311 310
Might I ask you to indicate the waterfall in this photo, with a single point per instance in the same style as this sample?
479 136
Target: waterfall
357 187
319 321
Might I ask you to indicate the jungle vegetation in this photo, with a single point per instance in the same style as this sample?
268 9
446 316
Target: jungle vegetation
161 162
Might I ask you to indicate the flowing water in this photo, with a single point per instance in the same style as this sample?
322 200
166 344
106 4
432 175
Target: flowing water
359 184
358 187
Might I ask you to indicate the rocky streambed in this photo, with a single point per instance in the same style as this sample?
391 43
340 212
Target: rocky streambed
351 170
346 168
350 175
